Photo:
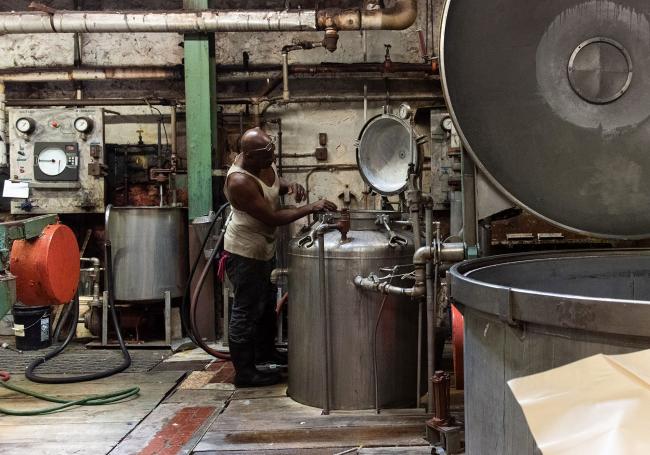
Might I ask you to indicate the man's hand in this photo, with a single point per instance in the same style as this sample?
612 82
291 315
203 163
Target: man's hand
322 206
298 191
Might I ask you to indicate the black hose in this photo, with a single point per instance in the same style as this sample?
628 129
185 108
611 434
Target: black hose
62 320
126 357
194 303
185 304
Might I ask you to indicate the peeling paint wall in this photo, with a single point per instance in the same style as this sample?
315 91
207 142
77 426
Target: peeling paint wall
301 123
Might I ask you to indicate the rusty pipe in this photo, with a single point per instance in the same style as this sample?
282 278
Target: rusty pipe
400 16
92 74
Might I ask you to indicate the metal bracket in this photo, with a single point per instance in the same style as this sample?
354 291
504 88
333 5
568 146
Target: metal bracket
506 309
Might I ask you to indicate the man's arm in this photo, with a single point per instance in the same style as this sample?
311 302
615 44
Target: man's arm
245 195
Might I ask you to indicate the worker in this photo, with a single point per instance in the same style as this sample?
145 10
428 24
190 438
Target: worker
253 188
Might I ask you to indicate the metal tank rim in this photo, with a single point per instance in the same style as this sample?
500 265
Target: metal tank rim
468 147
514 305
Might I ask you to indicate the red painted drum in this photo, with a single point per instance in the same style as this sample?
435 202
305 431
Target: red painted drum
47 268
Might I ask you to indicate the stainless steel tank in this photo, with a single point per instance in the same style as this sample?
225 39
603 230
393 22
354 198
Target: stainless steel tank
149 251
528 313
353 315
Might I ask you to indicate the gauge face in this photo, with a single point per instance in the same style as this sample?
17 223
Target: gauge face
52 161
447 124
83 124
405 111
25 125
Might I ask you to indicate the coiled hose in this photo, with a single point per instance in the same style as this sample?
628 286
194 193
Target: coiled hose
126 357
199 285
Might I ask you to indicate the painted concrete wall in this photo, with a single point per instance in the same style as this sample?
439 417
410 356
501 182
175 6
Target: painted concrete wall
301 123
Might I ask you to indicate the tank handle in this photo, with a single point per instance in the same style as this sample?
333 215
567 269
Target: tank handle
394 240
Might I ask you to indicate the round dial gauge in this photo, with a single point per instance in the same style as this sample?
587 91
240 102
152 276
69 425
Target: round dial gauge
447 124
52 161
83 124
25 125
405 111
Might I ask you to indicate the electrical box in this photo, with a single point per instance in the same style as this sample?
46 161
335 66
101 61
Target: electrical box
59 153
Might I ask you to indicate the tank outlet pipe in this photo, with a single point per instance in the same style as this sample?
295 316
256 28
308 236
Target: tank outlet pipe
398 17
276 274
343 226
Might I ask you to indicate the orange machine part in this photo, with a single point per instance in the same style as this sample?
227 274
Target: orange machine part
46 268
457 341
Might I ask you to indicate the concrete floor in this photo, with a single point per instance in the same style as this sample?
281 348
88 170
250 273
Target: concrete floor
188 404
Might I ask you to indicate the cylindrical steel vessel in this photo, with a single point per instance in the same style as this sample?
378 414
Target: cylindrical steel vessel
149 251
528 313
353 315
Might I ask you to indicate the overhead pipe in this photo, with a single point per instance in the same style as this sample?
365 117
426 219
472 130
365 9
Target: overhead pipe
91 74
398 17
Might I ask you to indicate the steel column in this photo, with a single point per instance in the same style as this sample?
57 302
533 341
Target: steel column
201 113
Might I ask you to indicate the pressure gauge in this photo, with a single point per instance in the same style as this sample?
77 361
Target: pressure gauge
25 125
405 111
52 161
447 124
83 125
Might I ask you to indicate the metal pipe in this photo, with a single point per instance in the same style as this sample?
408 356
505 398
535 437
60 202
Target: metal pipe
431 320
285 76
417 243
91 74
205 21
325 315
331 68
88 102
231 100
398 17
3 127
277 273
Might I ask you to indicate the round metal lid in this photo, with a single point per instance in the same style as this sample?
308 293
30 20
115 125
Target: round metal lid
552 101
385 152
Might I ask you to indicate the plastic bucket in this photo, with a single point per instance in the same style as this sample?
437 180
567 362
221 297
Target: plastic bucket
32 327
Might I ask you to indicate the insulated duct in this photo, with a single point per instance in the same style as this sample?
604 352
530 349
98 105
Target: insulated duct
400 16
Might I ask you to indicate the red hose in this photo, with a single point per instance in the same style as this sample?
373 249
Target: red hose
458 342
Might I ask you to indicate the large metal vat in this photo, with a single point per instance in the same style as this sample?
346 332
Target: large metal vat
532 312
149 251
353 315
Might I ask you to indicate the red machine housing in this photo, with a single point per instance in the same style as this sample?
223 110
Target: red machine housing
46 268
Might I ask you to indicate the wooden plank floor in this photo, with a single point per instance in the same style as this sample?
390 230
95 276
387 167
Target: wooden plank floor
82 430
201 412
266 421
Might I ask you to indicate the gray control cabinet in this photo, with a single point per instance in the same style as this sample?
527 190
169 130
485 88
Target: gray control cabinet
60 154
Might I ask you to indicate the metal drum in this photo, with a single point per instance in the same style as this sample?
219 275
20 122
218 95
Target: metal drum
149 251
353 315
532 312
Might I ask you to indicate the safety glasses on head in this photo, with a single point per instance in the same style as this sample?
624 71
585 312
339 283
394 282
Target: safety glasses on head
268 148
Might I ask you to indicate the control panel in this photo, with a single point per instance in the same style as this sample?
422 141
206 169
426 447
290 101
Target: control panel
59 153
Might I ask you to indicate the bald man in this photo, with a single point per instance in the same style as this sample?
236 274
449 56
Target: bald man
253 188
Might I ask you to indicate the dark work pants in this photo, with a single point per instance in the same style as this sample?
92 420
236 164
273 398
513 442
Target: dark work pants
252 318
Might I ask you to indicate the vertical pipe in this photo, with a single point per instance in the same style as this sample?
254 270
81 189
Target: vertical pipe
3 126
417 243
431 320
285 76
325 316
